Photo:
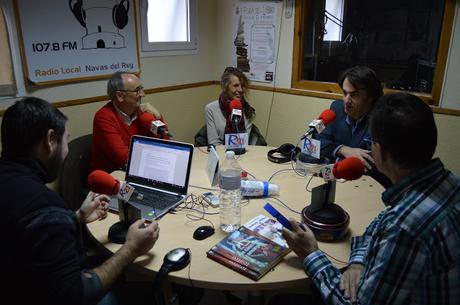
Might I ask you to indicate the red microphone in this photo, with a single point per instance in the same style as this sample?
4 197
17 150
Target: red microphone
317 126
103 183
157 127
236 112
350 168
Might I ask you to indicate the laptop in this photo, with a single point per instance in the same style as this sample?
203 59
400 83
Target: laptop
159 170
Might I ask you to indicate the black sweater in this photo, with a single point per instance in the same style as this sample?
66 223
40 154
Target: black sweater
42 250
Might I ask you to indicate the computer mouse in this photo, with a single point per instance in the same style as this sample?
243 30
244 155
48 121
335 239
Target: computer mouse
203 232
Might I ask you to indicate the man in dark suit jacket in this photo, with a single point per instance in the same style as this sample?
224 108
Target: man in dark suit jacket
348 135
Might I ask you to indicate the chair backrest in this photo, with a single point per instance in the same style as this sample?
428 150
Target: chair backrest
72 185
201 137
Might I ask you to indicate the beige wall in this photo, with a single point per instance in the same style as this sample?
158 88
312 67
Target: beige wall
183 111
291 113
281 117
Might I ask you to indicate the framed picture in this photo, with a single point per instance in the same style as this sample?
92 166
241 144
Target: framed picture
65 41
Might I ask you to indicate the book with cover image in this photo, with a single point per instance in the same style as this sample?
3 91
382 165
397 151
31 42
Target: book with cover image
254 249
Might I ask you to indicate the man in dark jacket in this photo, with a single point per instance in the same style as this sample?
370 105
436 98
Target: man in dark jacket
42 255
348 135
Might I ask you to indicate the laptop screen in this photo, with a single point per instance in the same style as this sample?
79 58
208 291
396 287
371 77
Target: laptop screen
160 164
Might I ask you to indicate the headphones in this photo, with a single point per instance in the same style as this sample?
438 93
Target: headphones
119 13
78 11
283 154
174 260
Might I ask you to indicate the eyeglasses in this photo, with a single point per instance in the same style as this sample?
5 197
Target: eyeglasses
137 91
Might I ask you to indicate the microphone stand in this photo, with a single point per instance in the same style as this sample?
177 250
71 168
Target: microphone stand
326 219
128 214
240 150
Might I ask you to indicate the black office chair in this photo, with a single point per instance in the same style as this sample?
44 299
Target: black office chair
74 172
72 186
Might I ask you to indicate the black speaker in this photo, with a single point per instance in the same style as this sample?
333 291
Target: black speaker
283 154
120 14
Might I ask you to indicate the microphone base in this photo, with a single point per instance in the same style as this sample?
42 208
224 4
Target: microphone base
238 151
118 231
329 223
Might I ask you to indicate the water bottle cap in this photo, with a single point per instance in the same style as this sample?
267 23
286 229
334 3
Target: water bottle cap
229 154
273 189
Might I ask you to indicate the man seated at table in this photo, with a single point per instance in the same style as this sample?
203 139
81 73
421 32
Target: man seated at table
43 255
410 253
121 118
347 136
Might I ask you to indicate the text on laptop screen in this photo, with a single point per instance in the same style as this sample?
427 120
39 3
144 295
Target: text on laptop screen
159 162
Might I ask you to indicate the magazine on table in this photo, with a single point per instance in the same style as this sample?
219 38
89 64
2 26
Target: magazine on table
254 249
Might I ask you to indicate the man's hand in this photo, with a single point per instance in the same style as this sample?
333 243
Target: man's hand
350 279
141 237
94 207
362 154
301 240
147 107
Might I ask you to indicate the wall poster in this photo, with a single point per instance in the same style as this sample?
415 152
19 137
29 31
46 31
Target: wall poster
255 31
76 39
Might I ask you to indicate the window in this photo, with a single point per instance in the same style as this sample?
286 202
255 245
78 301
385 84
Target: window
168 27
404 41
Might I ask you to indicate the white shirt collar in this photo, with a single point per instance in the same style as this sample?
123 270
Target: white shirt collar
126 118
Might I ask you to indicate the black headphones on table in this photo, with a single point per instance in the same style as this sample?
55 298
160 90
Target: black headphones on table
283 154
174 260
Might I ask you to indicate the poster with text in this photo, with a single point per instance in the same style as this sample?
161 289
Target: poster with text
77 39
255 31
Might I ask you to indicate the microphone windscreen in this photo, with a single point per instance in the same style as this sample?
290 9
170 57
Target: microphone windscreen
146 119
327 116
350 168
235 104
103 183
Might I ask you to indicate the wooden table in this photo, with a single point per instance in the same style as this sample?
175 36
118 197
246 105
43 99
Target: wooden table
360 198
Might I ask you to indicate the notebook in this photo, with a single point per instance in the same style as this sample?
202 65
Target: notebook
159 170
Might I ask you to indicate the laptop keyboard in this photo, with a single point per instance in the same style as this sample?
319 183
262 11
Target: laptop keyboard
156 200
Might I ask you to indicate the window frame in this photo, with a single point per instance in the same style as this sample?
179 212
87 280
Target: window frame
15 51
148 49
332 90
7 79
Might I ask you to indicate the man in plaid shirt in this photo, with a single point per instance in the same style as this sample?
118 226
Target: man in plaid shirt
410 253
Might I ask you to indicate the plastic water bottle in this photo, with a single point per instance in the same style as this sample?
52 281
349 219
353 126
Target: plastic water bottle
230 193
256 188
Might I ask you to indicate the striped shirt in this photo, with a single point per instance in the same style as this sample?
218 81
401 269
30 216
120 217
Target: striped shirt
410 252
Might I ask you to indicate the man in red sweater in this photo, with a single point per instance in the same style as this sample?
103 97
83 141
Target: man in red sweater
120 119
